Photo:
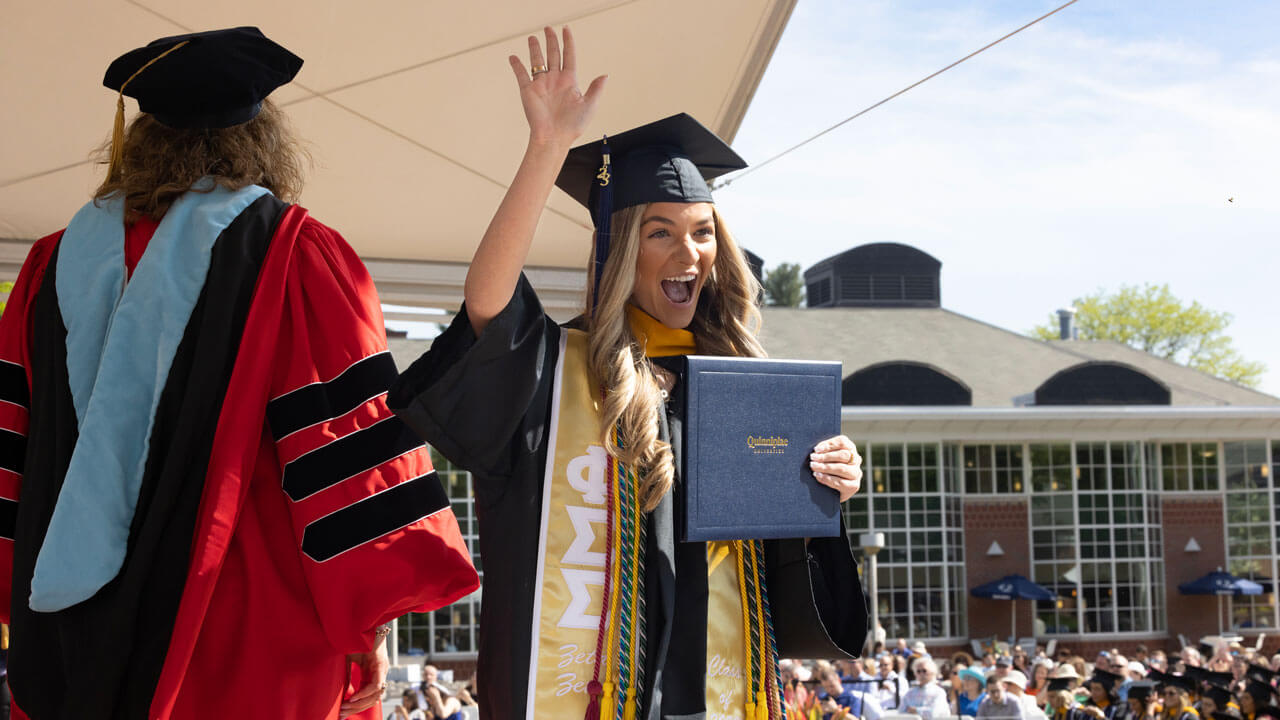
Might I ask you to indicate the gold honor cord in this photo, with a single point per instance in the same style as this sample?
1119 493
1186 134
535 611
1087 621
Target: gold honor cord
117 132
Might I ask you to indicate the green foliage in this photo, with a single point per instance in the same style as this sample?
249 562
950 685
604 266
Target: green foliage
1152 319
6 287
784 286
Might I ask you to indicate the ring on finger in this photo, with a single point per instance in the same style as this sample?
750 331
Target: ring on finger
538 70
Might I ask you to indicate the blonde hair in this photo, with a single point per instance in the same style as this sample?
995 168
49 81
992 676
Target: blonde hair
725 322
159 163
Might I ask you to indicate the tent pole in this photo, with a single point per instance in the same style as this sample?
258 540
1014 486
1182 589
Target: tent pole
1013 623
1219 615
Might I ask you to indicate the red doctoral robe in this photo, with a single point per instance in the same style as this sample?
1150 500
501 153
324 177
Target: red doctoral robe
285 577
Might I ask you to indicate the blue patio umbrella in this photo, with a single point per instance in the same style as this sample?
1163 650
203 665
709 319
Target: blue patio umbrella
1015 588
1221 584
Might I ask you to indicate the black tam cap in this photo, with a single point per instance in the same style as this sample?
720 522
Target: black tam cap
1266 711
1141 690
669 160
1062 683
211 79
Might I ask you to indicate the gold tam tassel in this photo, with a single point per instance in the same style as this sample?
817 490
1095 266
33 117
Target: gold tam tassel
117 139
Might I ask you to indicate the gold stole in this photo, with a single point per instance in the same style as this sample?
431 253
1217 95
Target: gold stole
571 564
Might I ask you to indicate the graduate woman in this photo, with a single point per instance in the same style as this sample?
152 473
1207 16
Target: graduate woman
592 607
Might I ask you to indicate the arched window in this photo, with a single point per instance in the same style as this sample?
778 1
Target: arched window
1102 383
903 383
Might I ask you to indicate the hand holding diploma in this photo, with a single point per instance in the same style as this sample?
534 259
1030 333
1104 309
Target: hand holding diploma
836 463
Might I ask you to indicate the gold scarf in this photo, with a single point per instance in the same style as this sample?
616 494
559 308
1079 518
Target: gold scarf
657 339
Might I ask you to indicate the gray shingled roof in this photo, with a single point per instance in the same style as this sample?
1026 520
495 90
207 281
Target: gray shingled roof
998 365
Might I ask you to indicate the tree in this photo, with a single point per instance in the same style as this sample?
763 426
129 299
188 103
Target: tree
6 287
1152 319
784 286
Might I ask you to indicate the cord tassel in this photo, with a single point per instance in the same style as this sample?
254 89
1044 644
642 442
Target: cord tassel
593 705
606 702
630 712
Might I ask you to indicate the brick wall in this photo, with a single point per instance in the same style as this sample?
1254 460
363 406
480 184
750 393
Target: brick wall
1184 518
1003 521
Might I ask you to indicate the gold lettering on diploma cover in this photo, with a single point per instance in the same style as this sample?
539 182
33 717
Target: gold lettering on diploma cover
767 445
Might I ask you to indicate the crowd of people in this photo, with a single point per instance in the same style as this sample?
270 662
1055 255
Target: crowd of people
1221 682
433 699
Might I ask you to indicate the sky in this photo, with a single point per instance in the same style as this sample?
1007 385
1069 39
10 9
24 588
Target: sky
1096 149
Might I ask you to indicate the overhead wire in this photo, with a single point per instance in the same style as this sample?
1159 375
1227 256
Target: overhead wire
869 108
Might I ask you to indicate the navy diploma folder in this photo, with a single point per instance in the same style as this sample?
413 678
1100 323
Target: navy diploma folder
749 426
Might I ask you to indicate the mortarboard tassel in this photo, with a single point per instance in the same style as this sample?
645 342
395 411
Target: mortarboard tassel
117 131
604 215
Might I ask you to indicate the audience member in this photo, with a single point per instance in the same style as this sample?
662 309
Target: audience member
999 703
926 699
972 692
836 697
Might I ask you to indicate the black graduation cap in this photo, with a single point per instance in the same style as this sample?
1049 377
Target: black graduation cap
1267 711
1222 715
1206 650
1141 690
1106 678
1260 692
1203 675
669 160
1182 681
1260 673
1219 695
1062 683
211 79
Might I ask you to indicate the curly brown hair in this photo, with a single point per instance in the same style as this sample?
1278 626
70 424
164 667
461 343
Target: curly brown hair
161 163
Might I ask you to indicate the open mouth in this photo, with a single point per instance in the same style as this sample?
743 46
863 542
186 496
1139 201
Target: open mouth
679 289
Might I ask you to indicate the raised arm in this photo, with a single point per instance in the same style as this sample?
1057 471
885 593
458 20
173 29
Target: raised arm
557 112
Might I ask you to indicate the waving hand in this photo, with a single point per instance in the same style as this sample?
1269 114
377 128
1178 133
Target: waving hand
556 109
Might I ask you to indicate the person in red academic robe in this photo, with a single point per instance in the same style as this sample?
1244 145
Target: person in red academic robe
206 508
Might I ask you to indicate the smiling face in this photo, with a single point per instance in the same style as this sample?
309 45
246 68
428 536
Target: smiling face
677 252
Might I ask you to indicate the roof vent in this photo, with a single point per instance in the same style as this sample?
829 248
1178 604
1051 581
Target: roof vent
875 275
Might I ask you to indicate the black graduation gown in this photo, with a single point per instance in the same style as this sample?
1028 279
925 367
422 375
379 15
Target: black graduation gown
485 404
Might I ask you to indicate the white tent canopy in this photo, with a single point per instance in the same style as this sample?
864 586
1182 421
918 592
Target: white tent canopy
408 106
